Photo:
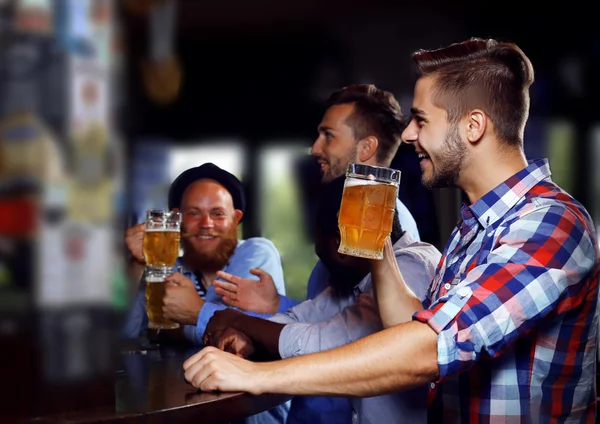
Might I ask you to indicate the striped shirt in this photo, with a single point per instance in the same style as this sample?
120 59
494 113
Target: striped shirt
514 306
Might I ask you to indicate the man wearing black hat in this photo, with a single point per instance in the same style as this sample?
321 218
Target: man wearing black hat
212 204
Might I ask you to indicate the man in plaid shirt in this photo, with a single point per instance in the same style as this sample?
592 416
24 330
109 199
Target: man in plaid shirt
508 330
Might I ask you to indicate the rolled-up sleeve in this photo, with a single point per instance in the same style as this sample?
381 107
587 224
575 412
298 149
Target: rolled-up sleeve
351 323
537 268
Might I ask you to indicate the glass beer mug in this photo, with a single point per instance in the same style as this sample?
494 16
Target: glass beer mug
161 238
155 291
367 211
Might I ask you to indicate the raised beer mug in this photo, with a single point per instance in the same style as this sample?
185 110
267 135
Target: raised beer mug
367 211
155 291
161 238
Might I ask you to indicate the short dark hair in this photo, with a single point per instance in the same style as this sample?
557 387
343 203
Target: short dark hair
376 113
481 73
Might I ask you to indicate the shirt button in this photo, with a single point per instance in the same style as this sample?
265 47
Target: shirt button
447 286
354 417
463 292
432 386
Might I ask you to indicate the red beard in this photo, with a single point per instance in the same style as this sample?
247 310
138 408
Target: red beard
211 261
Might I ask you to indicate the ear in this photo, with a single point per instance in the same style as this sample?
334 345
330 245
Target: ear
477 122
237 215
367 147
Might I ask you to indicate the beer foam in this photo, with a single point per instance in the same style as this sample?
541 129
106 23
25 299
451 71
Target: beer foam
161 230
351 182
155 279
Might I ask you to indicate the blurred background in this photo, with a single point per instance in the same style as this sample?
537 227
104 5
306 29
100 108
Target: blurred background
104 102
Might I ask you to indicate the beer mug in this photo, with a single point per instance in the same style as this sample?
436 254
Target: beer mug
155 291
161 238
367 211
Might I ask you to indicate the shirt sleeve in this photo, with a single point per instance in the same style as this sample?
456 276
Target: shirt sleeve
315 310
252 253
337 329
318 280
537 268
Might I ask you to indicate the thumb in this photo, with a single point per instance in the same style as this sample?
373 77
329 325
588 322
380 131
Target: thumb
180 280
257 271
264 276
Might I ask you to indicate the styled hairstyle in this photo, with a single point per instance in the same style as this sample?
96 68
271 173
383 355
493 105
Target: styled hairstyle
376 113
481 73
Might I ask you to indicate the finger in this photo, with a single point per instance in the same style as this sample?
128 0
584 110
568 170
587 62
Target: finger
256 271
228 277
195 358
230 295
224 285
200 370
192 370
180 280
232 302
222 292
139 228
223 343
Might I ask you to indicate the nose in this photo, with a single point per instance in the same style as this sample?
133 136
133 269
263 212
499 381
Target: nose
317 149
410 133
206 221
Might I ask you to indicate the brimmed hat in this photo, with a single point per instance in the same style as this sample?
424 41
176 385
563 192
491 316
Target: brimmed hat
213 172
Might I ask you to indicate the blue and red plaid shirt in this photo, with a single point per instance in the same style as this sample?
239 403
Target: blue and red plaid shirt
514 305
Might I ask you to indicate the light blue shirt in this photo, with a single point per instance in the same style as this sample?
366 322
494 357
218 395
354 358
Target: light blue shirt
252 253
256 252
330 320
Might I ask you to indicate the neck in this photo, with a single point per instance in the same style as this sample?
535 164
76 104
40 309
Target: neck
486 170
207 277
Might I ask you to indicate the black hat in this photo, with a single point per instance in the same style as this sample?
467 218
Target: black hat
213 172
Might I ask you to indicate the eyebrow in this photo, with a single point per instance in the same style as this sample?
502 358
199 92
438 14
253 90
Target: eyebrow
417 111
321 128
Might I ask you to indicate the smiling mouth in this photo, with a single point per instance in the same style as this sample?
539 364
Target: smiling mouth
206 237
423 156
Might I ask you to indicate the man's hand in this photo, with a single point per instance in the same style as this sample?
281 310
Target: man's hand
219 322
212 369
249 295
232 341
134 240
181 302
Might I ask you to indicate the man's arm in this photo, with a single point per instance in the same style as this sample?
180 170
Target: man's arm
398 358
396 301
263 334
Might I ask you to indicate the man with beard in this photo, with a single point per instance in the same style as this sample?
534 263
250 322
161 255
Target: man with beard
344 312
361 124
508 329
212 203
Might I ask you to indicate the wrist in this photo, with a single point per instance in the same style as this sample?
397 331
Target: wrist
275 304
195 313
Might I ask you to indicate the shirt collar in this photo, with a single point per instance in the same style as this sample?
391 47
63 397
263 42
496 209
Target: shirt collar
497 202
187 272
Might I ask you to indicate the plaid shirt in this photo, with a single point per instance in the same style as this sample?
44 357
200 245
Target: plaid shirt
514 305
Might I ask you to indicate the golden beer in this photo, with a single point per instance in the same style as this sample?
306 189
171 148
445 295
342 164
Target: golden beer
155 291
366 216
161 247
